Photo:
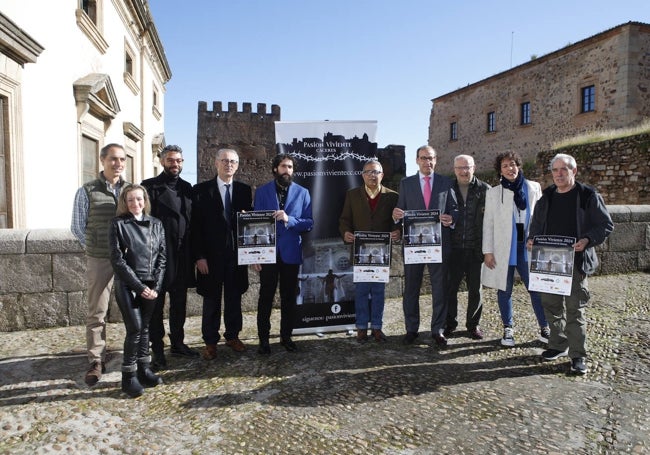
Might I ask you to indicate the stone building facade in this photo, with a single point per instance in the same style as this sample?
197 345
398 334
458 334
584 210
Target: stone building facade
599 83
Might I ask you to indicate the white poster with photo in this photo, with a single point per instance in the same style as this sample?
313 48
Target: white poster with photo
422 236
551 264
256 237
371 261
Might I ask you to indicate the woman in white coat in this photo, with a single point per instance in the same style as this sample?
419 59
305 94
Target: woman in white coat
508 210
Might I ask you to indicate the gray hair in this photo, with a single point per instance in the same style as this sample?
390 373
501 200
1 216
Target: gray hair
468 158
568 159
170 148
374 161
222 151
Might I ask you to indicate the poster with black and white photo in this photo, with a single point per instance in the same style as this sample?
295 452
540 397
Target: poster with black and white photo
371 260
422 236
551 264
255 237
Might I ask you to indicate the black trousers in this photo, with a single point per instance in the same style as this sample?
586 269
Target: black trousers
136 314
232 317
464 263
177 315
270 275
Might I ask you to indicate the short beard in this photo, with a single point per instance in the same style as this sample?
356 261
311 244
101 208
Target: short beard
283 180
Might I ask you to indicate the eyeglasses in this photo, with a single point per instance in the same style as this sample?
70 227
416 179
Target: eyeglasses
426 158
233 162
463 168
174 160
372 172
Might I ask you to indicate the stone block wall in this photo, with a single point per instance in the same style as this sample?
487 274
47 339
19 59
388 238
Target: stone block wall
618 168
42 272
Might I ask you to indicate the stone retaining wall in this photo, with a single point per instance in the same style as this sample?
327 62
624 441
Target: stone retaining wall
42 282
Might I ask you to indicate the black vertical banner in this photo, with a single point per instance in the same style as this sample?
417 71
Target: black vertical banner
329 158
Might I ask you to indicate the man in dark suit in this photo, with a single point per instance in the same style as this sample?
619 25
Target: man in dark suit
369 208
214 224
427 191
291 204
171 202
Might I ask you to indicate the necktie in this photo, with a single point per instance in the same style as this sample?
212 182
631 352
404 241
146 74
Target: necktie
427 190
227 204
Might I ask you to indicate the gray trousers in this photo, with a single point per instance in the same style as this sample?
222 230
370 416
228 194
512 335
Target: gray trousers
566 317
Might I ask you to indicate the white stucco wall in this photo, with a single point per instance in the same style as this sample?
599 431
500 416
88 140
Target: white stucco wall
50 132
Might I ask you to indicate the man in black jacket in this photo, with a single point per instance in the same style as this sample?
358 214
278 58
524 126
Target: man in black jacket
214 227
171 202
572 209
466 242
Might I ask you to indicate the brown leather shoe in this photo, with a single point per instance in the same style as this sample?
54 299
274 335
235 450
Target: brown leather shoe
94 374
210 352
378 335
236 345
362 335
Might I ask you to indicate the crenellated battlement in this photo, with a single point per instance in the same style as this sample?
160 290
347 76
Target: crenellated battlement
247 110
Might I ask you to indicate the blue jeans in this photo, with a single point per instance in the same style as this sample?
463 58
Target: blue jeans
369 304
505 297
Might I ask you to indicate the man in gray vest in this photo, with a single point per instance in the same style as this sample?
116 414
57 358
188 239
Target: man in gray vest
94 206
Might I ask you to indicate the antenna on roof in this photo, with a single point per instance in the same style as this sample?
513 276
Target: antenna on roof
512 43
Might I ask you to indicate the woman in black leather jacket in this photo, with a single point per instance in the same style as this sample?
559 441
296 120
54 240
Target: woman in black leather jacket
137 246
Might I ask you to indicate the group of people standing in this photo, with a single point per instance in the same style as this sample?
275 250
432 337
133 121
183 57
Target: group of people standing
165 236
487 233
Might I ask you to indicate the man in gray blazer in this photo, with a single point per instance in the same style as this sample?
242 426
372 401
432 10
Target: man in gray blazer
427 190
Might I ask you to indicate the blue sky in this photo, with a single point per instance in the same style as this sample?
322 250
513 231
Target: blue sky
378 60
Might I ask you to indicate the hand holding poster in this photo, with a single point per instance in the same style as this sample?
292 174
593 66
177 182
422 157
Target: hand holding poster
551 264
422 236
255 237
371 262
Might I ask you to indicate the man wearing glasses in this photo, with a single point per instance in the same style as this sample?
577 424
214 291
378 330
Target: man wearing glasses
369 208
214 225
467 247
427 190
171 202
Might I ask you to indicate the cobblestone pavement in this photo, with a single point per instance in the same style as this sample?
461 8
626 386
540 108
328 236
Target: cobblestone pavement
334 396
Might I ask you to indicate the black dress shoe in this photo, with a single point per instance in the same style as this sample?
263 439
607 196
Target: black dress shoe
409 338
448 331
440 339
264 348
158 361
183 350
288 344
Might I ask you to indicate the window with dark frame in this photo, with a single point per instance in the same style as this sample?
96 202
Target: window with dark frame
90 8
525 113
128 63
491 122
453 131
589 98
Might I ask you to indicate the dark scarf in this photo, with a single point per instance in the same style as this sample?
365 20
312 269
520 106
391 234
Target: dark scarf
516 187
170 180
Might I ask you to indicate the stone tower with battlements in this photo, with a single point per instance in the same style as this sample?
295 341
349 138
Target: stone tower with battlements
252 134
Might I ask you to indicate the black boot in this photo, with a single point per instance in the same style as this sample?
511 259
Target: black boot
130 384
147 377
